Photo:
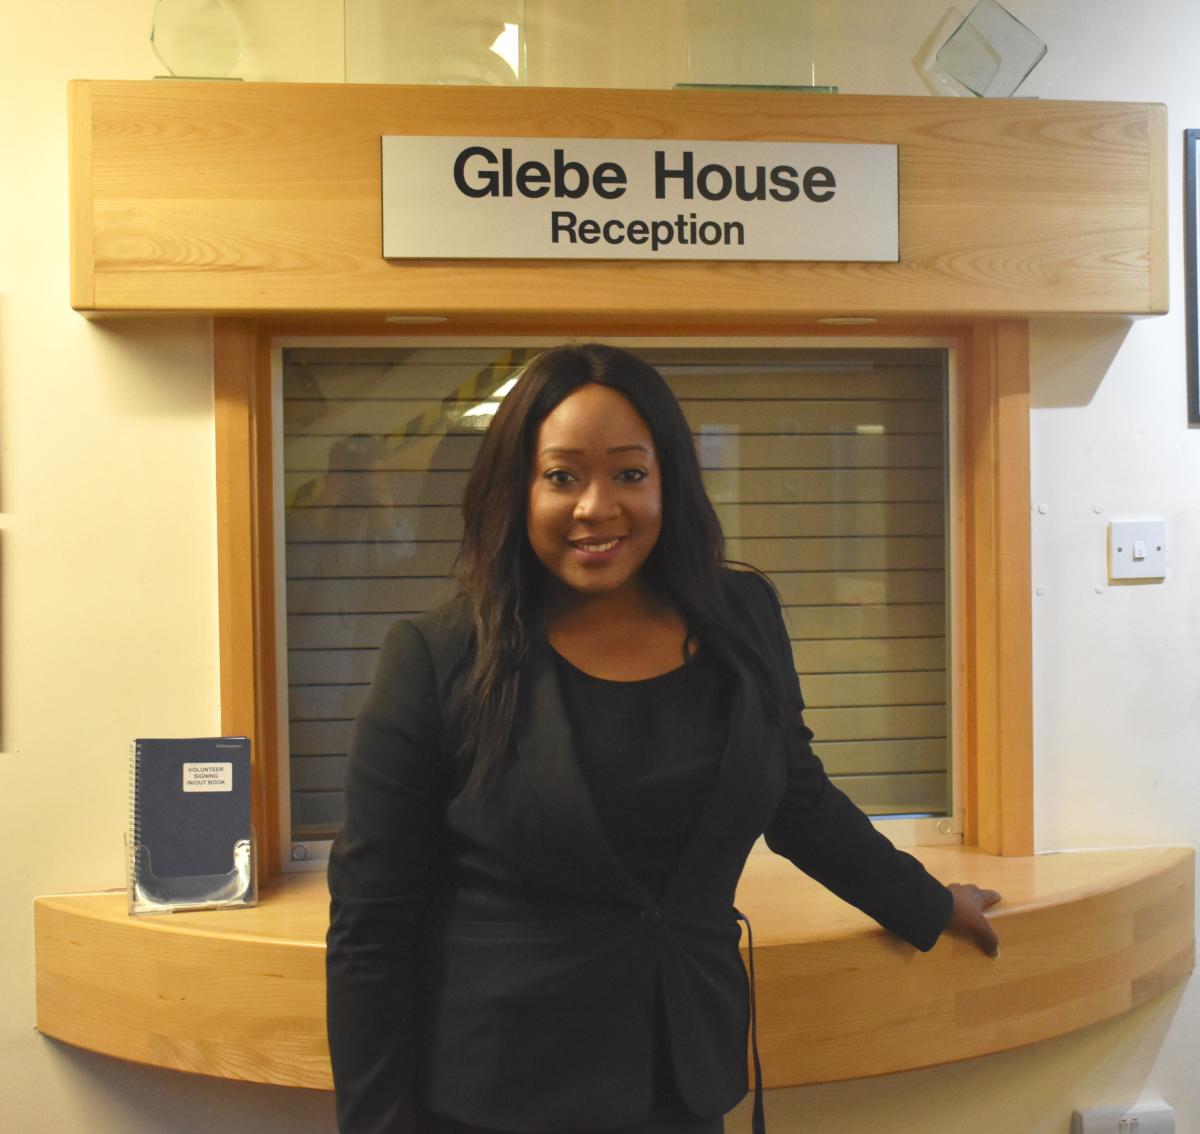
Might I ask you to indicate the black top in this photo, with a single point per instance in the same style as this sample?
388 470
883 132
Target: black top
649 751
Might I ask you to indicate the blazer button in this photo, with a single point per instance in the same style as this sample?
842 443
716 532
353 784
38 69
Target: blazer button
652 917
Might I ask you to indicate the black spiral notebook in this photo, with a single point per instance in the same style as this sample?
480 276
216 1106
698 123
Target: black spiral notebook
190 833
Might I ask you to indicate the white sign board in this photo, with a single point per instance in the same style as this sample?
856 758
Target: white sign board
638 199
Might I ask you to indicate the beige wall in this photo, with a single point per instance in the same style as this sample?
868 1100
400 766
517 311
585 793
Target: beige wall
109 592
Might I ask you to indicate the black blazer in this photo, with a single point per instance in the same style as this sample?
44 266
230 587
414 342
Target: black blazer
490 959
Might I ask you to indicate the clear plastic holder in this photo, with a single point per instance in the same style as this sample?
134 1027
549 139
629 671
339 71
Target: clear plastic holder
149 894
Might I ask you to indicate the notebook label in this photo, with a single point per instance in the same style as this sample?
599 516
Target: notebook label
208 777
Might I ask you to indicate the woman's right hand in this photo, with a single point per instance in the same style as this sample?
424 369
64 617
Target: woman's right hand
968 919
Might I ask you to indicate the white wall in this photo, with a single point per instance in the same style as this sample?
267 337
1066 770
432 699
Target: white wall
109 584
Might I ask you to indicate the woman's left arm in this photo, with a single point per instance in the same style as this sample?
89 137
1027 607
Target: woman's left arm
827 836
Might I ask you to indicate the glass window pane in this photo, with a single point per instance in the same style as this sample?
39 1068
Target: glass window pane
826 467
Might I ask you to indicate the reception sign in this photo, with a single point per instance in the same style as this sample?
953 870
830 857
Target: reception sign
638 199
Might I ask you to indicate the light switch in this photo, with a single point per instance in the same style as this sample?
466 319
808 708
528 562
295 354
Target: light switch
1137 549
1143 1118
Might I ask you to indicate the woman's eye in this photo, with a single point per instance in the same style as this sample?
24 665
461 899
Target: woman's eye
632 476
560 478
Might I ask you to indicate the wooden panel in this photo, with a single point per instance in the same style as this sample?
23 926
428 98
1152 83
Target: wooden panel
234 383
240 198
1160 226
245 563
241 994
998 663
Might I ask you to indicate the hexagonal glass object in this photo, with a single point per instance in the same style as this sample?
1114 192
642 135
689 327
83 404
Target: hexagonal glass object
197 39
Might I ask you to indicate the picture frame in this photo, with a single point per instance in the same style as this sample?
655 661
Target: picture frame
1191 141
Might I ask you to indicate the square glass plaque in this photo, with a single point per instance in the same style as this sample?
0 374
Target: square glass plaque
991 52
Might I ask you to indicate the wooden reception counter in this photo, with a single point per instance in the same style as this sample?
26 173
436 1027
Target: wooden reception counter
240 994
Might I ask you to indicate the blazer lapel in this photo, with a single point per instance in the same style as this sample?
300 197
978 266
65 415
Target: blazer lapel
738 784
543 739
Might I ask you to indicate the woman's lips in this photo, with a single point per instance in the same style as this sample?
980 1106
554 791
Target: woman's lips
596 550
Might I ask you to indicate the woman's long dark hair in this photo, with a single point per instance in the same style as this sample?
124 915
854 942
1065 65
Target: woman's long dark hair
505 582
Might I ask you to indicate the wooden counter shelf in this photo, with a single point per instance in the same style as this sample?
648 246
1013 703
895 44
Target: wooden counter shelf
239 994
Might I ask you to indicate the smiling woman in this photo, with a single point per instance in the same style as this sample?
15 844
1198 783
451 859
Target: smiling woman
595 502
555 783
554 434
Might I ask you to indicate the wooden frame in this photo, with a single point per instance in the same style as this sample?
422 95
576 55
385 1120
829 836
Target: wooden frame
995 684
996 575
245 563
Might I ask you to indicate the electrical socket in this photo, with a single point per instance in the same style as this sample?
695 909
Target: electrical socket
1143 1118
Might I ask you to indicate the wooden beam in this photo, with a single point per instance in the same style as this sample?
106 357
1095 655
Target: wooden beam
264 198
245 563
997 570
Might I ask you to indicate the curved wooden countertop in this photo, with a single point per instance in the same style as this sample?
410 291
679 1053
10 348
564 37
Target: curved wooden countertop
241 993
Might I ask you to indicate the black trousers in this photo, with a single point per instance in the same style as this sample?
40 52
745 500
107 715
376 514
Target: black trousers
657 1123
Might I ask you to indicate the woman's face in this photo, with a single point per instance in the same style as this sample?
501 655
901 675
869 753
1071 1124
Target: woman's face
595 500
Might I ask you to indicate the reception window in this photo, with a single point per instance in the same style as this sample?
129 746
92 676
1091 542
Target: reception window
828 468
